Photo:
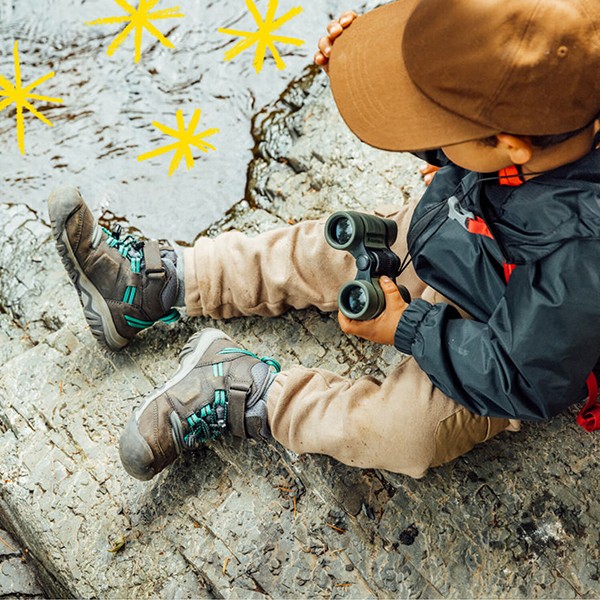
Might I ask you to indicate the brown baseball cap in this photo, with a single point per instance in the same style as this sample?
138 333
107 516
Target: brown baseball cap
419 74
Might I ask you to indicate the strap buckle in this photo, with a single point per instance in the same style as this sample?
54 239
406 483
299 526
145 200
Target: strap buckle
155 273
457 213
239 387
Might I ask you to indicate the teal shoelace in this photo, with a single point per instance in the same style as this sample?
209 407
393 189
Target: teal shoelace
210 421
128 247
132 249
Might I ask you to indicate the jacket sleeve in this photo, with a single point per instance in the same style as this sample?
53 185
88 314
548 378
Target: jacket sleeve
531 359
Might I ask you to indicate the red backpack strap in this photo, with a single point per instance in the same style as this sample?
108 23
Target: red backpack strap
510 176
508 270
478 227
589 417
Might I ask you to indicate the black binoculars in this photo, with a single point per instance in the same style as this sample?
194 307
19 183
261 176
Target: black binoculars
368 238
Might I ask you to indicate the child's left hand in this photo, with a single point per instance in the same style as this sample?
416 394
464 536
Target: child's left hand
382 329
334 30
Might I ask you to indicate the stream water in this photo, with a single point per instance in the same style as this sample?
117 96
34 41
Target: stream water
109 103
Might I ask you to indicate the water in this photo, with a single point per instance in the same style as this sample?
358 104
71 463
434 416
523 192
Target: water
110 103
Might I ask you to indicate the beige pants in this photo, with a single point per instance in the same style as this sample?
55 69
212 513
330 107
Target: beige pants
403 424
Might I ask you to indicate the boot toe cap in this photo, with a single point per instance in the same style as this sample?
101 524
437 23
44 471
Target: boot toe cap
136 455
63 202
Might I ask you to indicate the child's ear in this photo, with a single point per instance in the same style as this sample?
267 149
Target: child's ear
520 149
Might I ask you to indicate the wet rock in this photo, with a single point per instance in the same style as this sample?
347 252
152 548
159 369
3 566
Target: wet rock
17 579
17 575
218 523
408 535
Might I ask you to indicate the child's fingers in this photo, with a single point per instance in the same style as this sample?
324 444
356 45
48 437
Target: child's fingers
320 60
358 328
325 46
428 169
347 18
393 299
346 324
334 29
428 172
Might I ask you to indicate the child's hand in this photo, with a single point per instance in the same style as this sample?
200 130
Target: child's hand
334 29
428 172
382 329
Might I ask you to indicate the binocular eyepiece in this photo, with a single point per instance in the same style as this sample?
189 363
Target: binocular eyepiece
368 238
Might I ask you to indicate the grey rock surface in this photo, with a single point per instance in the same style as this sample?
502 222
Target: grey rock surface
17 578
517 517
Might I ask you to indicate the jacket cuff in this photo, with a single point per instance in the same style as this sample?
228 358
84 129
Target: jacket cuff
407 326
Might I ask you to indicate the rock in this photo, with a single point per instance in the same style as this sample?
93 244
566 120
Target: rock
17 575
217 523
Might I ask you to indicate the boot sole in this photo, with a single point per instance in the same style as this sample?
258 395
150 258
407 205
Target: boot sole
95 309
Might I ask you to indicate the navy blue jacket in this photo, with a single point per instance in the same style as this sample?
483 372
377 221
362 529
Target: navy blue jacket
532 343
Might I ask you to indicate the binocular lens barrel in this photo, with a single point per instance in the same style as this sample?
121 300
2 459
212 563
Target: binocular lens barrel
343 230
360 300
357 300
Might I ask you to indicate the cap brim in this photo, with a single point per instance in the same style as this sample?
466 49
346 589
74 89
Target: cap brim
375 95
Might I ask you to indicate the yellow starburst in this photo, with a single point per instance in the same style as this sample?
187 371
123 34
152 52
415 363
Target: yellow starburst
139 19
263 38
186 138
18 95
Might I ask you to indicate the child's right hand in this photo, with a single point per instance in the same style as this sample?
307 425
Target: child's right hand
428 172
334 30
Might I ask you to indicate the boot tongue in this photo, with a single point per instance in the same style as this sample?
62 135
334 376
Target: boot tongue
170 291
257 422
260 373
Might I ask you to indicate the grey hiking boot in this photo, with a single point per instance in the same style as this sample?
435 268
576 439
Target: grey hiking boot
124 284
218 386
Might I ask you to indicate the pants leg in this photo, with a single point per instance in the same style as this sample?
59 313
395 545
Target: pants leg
403 425
236 275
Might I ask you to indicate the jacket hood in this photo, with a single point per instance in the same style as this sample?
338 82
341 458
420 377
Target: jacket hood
534 219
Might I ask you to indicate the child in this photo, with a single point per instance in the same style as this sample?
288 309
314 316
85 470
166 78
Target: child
505 319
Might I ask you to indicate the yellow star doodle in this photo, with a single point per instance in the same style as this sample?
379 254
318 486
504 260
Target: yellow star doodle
186 138
263 37
18 95
139 19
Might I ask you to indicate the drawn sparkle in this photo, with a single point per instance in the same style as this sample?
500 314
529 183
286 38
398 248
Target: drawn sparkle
186 138
263 38
18 95
139 19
